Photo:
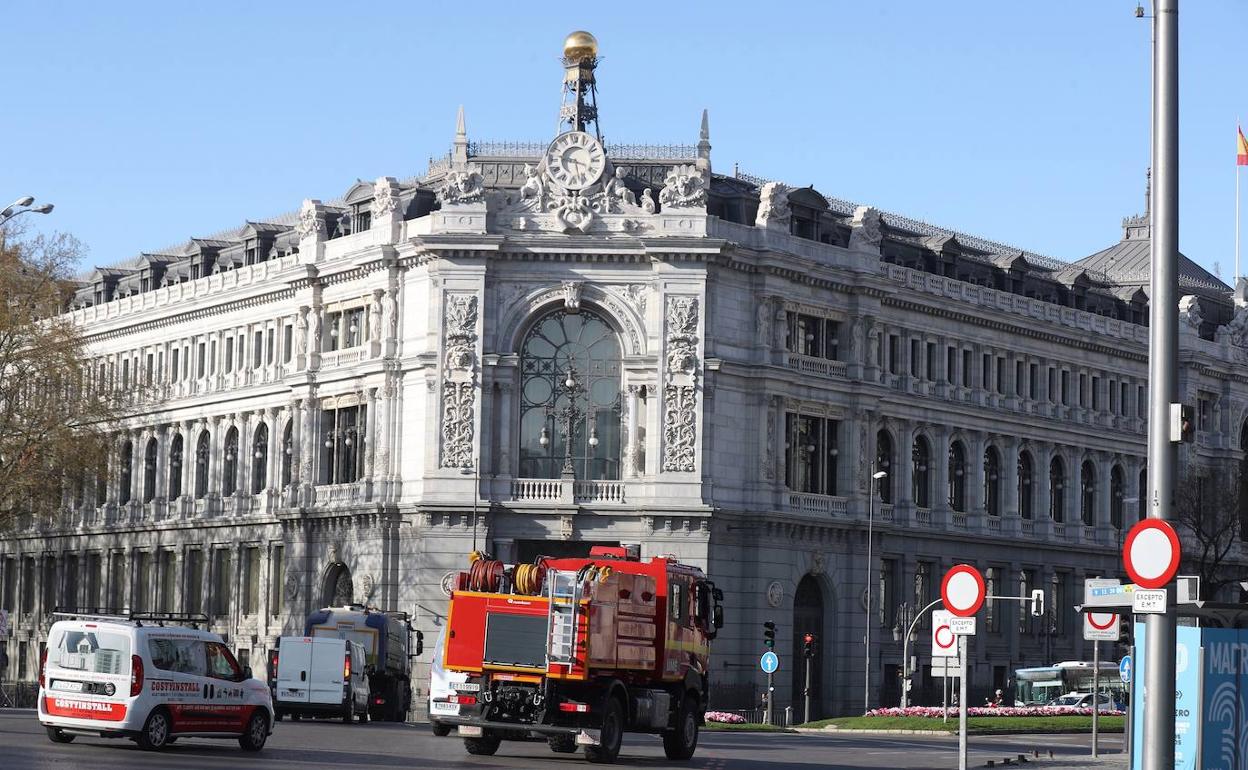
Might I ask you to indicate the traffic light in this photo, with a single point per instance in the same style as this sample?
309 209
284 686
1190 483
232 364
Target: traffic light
808 646
769 635
1037 602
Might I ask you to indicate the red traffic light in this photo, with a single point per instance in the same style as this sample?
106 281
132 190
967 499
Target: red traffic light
809 638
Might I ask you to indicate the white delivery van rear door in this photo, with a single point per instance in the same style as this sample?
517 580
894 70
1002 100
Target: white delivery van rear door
294 669
329 657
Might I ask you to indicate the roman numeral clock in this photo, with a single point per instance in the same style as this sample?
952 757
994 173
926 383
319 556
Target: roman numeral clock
575 160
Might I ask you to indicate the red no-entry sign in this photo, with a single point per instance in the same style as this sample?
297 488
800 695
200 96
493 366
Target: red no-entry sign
1151 553
963 590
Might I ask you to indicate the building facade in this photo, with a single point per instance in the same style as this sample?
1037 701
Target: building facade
536 347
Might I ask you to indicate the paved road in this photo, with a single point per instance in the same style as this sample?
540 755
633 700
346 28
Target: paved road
332 745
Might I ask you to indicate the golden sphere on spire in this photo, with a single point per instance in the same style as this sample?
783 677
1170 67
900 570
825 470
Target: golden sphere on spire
580 46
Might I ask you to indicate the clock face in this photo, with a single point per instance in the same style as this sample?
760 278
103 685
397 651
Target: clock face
575 160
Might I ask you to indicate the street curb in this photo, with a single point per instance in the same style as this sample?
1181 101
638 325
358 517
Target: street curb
853 731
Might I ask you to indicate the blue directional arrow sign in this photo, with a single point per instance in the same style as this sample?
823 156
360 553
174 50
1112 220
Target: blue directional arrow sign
769 662
1124 669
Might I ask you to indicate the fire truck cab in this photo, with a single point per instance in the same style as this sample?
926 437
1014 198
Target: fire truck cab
580 651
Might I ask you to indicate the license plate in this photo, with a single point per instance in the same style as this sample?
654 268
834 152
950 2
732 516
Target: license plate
63 686
466 686
445 709
471 731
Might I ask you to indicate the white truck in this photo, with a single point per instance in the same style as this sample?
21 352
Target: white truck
319 677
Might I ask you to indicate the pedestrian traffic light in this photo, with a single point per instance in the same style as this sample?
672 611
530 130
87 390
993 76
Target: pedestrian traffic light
1037 602
808 645
769 635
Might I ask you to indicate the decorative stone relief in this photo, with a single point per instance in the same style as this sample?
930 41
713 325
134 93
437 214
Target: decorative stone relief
615 188
862 458
1236 332
1190 313
775 594
314 328
637 295
310 221
773 207
459 384
573 210
291 589
448 583
333 556
816 563
873 343
647 201
368 584
764 315
385 201
680 392
374 316
567 528
769 451
301 331
867 230
855 339
572 295
462 186
684 187
389 312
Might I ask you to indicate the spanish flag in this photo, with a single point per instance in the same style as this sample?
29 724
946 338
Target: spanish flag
1241 148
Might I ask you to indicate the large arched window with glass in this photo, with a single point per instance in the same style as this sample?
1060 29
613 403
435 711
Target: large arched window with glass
260 459
1117 496
992 481
1087 493
1057 484
921 474
570 398
202 457
127 463
884 462
149 471
229 471
957 476
1026 489
175 467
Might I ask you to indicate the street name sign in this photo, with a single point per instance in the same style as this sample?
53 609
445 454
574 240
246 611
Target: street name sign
1150 601
944 641
1100 627
1151 553
962 590
962 626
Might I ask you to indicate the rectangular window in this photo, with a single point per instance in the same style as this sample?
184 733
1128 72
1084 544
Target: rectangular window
1081 397
930 361
149 371
985 380
1204 411
194 586
1141 401
288 343
222 582
251 580
48 581
1026 584
212 358
1001 375
70 585
268 346
1020 370
832 340
142 581
1065 388
257 349
174 371
116 580
923 590
168 580
10 582
993 612
125 374
888 591
355 327
333 324
229 358
966 368
342 436
951 365
201 367
1096 393
894 353
95 575
1033 381
1057 603
916 353
1124 389
1113 396
277 580
810 462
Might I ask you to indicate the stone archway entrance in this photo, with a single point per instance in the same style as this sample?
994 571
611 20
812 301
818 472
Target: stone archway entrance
337 589
808 618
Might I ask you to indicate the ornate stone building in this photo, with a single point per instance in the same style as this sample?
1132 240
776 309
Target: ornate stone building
536 347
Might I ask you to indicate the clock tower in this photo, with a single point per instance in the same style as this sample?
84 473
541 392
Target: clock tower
580 103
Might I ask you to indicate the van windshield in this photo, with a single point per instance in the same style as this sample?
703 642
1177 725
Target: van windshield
90 650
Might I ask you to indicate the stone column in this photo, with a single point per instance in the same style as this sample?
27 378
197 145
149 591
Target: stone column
976 502
163 438
276 452
903 471
371 431
939 466
307 471
1008 477
506 425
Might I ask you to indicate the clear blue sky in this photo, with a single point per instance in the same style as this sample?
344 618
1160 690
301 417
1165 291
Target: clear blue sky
1027 122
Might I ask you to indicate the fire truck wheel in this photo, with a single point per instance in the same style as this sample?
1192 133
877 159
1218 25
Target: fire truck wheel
681 742
611 735
562 744
484 747
441 730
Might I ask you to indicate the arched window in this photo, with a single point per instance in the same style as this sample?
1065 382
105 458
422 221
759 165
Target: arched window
1242 482
992 481
1087 493
570 398
260 459
957 476
201 465
1057 482
921 458
149 471
287 452
127 463
175 467
229 471
1117 487
1026 489
884 462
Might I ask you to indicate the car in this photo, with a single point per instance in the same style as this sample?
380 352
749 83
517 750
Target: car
441 686
1083 700
149 679
319 676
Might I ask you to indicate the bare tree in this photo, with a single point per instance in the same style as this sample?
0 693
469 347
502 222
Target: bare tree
1207 512
53 418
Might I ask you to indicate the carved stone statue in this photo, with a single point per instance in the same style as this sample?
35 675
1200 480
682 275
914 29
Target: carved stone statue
301 332
1236 332
389 312
310 222
684 187
616 189
374 319
384 200
855 338
534 187
764 321
314 328
867 233
572 296
344 225
1190 313
462 186
773 207
647 201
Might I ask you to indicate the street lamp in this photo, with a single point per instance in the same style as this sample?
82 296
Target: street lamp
22 206
905 650
866 672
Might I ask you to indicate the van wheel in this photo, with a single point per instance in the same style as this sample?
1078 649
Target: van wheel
362 717
155 733
681 742
610 736
441 730
483 747
562 744
57 735
257 733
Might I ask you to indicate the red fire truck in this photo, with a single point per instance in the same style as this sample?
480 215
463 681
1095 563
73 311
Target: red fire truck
580 651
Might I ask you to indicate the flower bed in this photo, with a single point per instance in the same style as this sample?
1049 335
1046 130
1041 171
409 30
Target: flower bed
723 717
992 711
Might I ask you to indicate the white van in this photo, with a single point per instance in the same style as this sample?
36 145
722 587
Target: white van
130 677
319 676
441 684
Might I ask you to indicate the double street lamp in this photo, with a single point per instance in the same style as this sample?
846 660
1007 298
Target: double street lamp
23 205
866 674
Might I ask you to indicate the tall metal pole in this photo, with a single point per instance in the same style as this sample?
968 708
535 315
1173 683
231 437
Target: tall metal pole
806 711
1096 695
866 669
1163 367
962 705
771 691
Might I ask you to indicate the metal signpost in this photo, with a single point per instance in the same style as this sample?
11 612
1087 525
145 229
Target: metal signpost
963 593
1098 626
769 663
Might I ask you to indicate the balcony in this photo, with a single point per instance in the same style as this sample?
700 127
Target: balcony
568 491
960 520
820 367
994 524
923 516
823 505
